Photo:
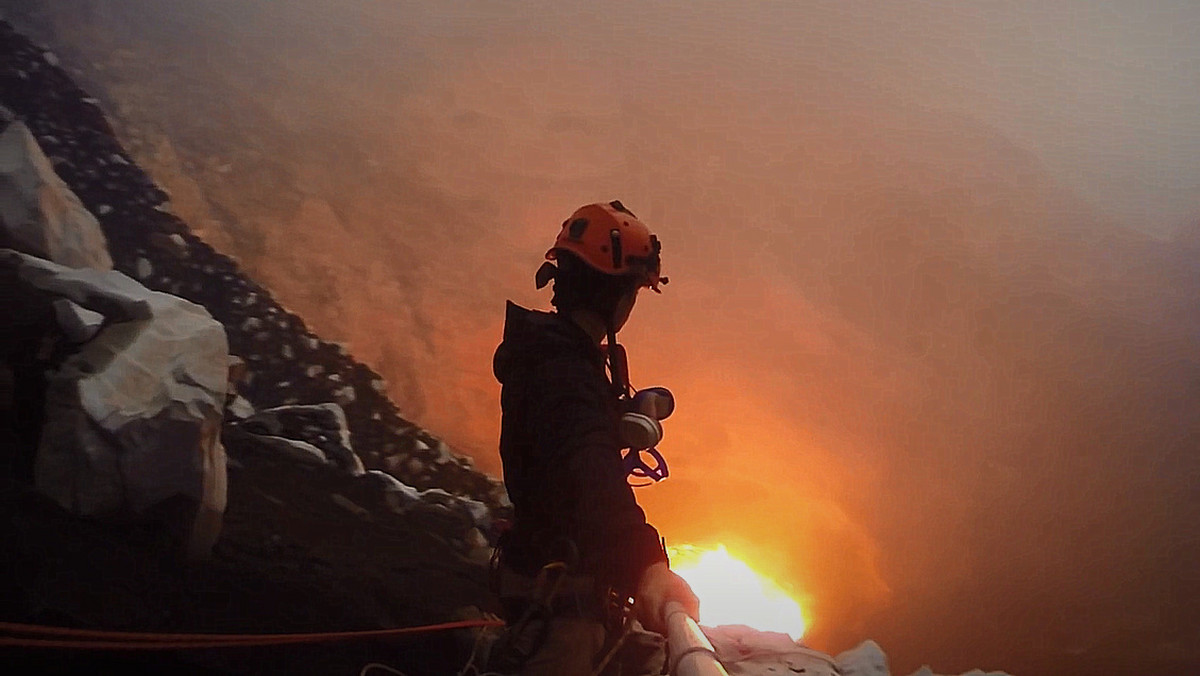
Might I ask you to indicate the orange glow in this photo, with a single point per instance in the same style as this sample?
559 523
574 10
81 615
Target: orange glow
731 592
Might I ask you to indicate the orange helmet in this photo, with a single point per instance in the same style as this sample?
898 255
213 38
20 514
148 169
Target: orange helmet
609 238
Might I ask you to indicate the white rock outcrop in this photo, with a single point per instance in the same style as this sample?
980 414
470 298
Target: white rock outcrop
865 659
318 432
39 214
401 498
133 415
748 652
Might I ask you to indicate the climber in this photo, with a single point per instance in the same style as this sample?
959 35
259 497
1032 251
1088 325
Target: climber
580 572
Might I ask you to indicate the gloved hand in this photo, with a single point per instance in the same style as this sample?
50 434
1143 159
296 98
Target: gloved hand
660 585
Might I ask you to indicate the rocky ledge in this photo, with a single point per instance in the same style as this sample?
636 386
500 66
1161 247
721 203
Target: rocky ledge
339 514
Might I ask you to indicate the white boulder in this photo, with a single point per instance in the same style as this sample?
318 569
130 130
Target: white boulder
133 417
39 214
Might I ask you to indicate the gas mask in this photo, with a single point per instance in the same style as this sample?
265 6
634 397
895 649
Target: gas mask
641 431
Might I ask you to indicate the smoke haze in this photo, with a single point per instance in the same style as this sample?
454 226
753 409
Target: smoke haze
932 320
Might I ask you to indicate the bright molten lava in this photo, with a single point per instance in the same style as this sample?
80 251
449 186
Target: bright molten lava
731 592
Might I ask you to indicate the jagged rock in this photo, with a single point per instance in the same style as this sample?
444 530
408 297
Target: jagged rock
345 395
475 539
39 214
394 463
291 449
443 454
748 652
475 511
237 369
414 466
350 506
240 408
401 498
398 494
477 547
498 494
133 417
319 426
79 324
865 659
173 244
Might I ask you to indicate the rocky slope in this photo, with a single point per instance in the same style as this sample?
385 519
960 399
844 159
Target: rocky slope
306 546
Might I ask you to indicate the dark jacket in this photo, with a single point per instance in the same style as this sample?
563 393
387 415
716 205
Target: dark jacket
562 457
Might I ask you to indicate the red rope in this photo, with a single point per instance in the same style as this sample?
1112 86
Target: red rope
117 640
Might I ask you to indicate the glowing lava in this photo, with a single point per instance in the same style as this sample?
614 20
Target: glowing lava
732 592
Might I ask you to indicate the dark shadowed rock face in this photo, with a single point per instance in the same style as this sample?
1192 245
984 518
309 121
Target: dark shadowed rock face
306 547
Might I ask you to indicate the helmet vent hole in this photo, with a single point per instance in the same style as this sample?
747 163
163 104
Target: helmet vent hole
577 228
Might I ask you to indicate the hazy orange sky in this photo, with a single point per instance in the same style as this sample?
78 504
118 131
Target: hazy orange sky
932 321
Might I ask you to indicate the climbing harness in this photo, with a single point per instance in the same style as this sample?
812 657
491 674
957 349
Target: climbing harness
621 615
526 636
